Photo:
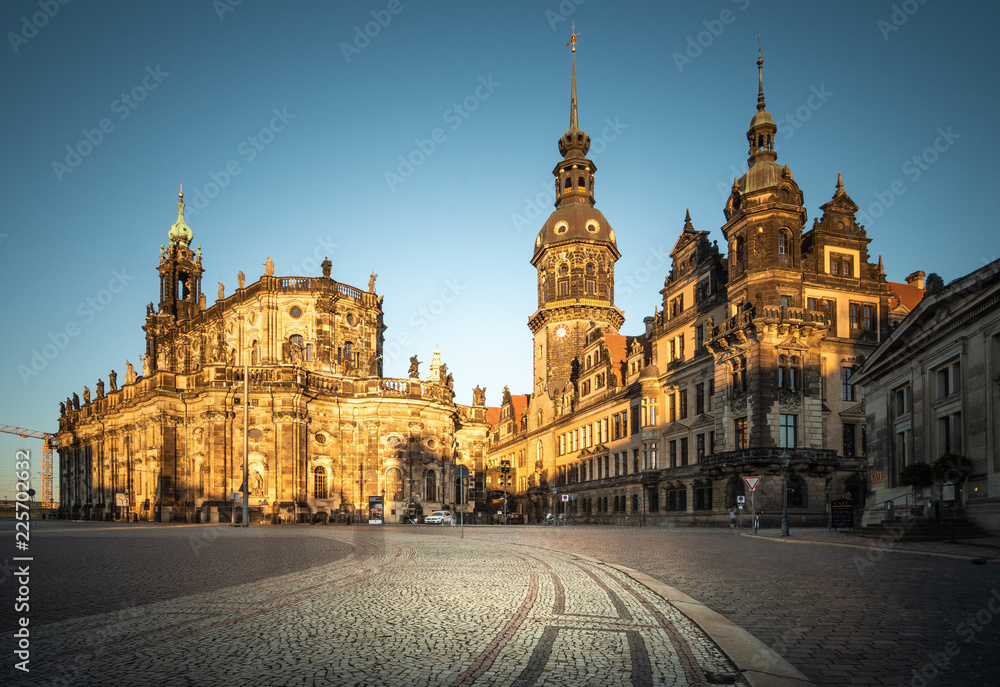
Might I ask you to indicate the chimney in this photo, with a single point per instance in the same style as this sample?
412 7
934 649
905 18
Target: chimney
917 279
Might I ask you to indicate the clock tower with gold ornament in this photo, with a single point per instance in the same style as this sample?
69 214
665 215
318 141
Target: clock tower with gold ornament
575 254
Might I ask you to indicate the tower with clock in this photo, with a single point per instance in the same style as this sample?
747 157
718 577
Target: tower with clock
575 254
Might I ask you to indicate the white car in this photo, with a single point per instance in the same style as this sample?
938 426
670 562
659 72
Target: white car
440 517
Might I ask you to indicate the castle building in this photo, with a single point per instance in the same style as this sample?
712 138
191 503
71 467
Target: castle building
302 356
743 369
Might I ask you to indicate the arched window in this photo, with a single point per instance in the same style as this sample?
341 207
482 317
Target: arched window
319 482
797 497
430 486
582 183
569 182
733 489
255 352
784 247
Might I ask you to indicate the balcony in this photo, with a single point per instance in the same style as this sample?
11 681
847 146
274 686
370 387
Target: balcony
770 457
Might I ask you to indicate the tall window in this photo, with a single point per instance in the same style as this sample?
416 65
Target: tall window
788 372
846 388
741 433
430 486
319 483
701 446
784 247
788 431
683 404
684 451
673 453
699 399
849 439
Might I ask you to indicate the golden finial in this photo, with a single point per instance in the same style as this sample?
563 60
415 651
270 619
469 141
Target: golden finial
181 194
572 37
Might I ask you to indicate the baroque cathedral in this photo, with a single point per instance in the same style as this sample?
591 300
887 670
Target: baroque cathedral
742 370
301 359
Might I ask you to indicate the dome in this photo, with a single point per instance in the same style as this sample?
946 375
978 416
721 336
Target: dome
649 372
575 222
761 117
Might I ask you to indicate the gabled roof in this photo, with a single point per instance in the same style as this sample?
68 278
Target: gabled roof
937 312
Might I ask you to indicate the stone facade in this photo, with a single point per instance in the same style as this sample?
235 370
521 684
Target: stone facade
325 429
746 357
933 396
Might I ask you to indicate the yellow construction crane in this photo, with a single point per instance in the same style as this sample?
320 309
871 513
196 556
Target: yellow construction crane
47 448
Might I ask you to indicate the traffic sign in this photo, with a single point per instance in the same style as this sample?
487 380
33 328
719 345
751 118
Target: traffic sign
752 482
461 471
741 500
565 497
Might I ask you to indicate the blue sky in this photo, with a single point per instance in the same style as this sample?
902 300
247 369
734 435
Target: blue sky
417 140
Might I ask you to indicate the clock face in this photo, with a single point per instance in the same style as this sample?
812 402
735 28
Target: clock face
561 331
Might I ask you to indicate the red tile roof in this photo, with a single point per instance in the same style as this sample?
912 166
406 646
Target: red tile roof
618 349
493 415
906 294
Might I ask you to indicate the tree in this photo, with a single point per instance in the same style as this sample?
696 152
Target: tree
918 476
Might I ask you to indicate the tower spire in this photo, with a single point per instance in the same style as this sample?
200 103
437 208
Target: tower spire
180 233
760 78
574 124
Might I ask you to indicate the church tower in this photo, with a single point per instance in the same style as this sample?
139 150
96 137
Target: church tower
180 270
575 254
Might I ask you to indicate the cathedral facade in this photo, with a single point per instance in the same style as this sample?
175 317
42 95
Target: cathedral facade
742 370
301 358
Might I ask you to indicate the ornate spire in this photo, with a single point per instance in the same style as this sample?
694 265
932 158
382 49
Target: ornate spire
760 78
688 227
762 128
573 143
180 233
840 183
574 124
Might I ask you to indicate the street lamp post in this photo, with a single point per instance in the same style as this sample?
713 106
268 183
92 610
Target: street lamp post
784 457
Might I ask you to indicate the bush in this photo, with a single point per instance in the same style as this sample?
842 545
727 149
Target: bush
951 467
917 475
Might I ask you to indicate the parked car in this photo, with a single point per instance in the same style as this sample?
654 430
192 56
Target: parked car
440 517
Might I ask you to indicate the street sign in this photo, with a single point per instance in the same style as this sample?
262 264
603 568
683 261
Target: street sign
565 497
461 471
752 482
741 500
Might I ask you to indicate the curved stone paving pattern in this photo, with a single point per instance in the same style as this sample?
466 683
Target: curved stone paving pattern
398 610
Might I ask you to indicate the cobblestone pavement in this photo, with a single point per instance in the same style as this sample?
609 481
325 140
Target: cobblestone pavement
381 606
842 616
